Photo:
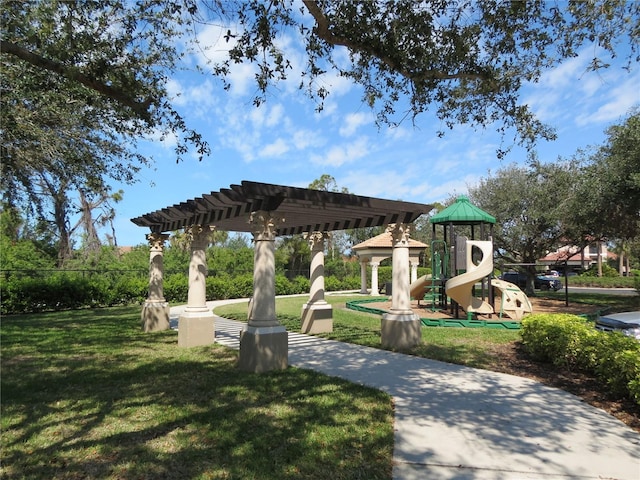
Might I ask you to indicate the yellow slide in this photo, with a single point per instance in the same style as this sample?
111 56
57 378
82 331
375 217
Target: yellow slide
418 288
459 287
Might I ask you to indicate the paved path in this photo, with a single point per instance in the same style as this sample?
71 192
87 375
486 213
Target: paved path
455 422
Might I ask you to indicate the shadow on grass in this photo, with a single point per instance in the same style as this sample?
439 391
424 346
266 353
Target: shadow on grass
87 395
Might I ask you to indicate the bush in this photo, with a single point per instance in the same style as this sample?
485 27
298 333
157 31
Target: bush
570 341
176 288
607 271
301 284
241 286
218 287
283 286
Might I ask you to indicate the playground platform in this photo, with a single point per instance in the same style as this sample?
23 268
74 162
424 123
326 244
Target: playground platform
455 422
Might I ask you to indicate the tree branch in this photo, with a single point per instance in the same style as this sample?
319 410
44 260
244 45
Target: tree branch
324 32
140 108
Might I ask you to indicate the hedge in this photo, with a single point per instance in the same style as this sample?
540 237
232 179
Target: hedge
572 342
65 291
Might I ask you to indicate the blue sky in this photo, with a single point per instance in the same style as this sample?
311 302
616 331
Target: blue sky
285 141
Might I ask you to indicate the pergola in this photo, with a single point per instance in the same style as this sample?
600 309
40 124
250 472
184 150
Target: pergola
266 211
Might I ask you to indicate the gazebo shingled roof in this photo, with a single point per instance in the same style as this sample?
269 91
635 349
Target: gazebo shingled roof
462 212
385 240
303 210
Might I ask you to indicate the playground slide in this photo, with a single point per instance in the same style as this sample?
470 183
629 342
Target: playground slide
418 288
459 288
514 302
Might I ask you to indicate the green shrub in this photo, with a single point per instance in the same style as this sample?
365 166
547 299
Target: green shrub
176 288
570 341
283 285
129 290
619 363
218 287
561 339
332 284
607 271
301 284
241 286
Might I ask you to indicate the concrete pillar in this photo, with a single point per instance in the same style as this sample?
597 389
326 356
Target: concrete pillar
400 328
263 341
155 312
363 275
195 325
414 270
375 290
317 314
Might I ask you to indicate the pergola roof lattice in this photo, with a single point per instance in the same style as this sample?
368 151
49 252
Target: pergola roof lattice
302 210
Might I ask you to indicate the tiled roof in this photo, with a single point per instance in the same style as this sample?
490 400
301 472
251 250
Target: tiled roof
384 240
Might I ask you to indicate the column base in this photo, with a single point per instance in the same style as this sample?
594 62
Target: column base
196 329
317 318
263 349
155 316
401 331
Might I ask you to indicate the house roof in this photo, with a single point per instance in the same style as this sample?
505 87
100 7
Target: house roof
302 210
462 212
385 240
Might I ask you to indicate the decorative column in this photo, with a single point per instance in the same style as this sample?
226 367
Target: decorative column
195 325
155 312
317 314
375 290
414 270
400 327
263 341
363 275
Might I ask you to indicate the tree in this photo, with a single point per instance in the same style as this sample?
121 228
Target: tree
606 201
467 60
530 208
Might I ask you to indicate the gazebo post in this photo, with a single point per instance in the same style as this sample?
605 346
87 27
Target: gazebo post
263 341
375 290
155 312
400 328
363 275
196 324
317 314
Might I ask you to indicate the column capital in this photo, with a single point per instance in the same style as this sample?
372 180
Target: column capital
400 233
264 225
156 240
199 233
316 239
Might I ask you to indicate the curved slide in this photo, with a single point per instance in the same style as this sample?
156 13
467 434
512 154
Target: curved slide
419 287
459 288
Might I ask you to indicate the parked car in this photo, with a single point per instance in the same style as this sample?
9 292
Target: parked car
541 282
626 322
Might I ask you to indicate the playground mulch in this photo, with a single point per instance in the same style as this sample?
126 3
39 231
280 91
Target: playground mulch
512 359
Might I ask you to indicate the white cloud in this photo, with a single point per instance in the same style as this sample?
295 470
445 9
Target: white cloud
352 122
303 139
275 149
618 102
341 154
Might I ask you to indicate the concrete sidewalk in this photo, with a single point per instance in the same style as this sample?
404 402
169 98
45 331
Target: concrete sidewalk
455 422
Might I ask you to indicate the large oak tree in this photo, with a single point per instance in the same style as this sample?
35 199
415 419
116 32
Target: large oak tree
82 82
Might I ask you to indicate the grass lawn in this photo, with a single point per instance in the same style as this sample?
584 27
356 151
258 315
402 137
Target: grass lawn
465 346
86 394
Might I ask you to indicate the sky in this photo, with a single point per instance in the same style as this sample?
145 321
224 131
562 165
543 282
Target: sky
286 142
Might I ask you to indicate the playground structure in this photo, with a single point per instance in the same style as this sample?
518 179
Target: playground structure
472 262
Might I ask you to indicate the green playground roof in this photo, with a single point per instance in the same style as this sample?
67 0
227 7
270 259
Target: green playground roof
462 212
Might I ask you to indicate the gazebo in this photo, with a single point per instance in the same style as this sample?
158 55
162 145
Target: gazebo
266 211
373 250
